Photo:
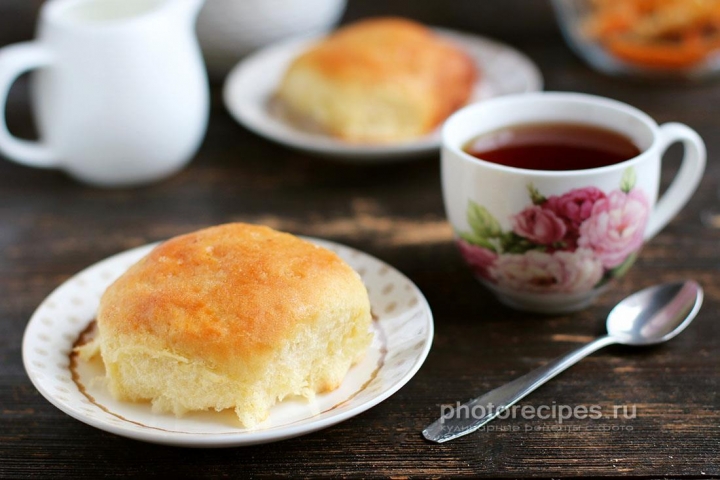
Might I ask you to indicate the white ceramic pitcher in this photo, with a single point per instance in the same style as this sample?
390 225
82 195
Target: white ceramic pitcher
120 92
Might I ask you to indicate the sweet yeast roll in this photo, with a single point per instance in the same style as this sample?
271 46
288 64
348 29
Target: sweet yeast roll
234 316
378 80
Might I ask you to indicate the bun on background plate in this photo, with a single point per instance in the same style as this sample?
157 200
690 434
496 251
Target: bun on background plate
235 316
379 80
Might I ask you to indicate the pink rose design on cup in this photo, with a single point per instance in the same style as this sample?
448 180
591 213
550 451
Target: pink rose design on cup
480 259
558 272
569 243
539 225
616 226
575 206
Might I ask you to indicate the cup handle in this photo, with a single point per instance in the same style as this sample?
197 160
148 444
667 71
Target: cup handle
14 61
686 180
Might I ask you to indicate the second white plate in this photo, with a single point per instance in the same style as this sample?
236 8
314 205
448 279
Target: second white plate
251 84
403 331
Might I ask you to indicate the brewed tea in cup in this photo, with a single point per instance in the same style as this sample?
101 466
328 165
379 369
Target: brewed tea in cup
553 146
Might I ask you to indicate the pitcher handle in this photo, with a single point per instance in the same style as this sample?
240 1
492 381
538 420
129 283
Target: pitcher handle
686 180
14 61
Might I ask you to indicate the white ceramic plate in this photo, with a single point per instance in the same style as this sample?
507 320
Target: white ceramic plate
251 84
403 335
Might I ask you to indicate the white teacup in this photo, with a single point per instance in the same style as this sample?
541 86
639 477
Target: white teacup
549 241
120 91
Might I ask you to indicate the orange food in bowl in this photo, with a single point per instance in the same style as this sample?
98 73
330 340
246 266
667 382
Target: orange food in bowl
662 34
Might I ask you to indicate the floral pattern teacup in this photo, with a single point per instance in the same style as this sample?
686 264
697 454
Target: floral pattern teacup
549 241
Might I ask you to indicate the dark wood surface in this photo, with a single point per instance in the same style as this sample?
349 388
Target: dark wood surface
51 227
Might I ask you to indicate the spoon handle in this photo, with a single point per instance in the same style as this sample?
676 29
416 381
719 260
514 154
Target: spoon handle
474 414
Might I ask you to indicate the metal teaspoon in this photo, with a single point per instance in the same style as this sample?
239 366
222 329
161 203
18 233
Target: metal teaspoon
650 316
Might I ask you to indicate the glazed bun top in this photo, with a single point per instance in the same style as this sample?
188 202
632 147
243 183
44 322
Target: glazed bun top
227 294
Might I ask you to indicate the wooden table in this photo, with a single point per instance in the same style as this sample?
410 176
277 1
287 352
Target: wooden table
51 227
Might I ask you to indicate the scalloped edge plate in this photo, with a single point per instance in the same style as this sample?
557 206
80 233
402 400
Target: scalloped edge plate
403 328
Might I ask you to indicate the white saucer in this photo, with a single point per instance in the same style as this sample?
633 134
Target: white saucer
251 84
403 335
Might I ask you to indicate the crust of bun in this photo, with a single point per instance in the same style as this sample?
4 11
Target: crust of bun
235 316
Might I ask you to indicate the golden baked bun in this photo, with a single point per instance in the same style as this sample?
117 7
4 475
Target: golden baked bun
234 316
378 80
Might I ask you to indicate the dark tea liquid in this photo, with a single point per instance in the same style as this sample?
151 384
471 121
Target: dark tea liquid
553 146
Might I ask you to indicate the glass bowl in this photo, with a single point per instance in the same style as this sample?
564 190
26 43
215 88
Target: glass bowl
645 38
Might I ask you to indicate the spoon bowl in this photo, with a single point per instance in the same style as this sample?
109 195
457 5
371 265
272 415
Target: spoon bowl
655 314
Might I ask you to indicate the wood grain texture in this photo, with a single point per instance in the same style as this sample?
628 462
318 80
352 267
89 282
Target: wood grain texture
52 227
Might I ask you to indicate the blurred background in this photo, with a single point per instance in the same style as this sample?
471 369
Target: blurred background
531 19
